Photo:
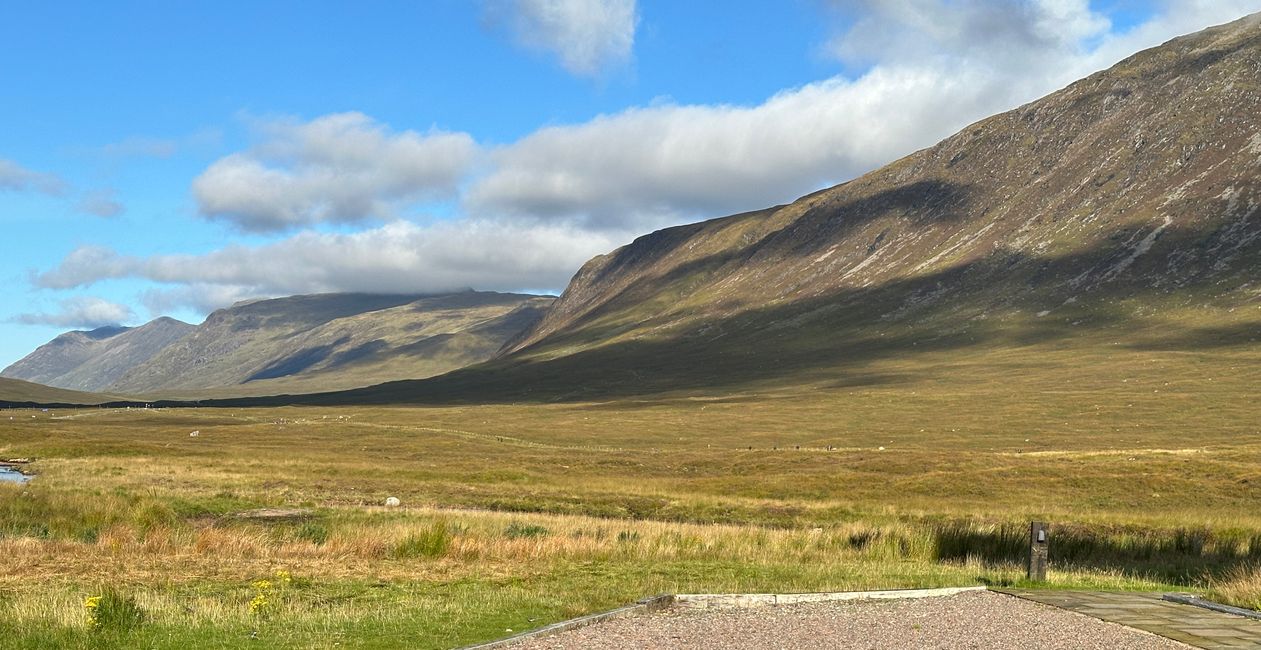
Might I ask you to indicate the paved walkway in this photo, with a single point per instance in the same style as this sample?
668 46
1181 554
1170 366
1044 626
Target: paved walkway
1192 625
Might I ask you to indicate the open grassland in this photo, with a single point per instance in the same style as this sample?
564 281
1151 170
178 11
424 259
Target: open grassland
922 472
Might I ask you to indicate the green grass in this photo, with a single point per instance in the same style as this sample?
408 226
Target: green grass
1144 462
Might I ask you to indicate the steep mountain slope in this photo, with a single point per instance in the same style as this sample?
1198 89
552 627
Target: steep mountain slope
91 361
330 341
1116 216
1144 177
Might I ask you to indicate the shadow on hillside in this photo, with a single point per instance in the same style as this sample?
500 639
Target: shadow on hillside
833 340
921 201
1202 338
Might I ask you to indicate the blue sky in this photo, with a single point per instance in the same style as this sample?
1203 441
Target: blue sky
172 157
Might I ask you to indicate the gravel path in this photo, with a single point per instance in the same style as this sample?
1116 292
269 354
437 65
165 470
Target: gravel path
979 619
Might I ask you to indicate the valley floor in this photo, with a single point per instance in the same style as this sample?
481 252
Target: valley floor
919 472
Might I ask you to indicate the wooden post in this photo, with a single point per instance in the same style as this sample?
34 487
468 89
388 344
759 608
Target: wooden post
1039 539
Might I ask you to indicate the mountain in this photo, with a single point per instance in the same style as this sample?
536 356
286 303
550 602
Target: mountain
1114 217
332 341
92 360
1104 237
1143 179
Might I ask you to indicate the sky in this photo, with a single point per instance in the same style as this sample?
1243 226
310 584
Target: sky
171 158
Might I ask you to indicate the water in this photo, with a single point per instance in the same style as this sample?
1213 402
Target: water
12 475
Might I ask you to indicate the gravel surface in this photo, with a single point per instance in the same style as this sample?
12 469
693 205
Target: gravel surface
976 619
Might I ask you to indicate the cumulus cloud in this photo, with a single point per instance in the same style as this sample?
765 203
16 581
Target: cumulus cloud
101 203
16 178
931 68
81 311
588 36
399 257
340 168
649 167
1006 34
199 297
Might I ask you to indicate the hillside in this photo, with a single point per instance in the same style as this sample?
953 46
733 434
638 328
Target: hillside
1116 216
1143 179
15 392
92 360
331 341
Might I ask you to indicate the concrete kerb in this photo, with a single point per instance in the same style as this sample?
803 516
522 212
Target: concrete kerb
1196 601
732 601
716 601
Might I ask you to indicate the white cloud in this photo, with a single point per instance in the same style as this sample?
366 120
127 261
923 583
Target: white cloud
199 297
588 36
342 168
81 311
101 203
16 178
400 257
1009 35
650 167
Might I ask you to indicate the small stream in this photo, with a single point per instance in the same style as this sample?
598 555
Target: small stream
11 475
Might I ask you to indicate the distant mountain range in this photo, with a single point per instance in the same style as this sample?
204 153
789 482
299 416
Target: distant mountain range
1120 214
294 344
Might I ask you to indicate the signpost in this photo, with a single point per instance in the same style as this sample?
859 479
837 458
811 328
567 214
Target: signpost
1039 539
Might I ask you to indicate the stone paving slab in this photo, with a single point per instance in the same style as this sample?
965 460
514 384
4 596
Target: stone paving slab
1191 625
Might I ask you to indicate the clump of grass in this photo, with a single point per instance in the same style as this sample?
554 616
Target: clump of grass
1239 586
312 531
519 530
960 540
430 542
113 612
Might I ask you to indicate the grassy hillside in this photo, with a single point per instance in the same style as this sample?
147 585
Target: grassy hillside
325 342
16 391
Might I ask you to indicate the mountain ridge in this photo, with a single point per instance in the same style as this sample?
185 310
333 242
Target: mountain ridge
303 343
322 341
92 360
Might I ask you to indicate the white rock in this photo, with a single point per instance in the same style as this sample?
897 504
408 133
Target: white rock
392 502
